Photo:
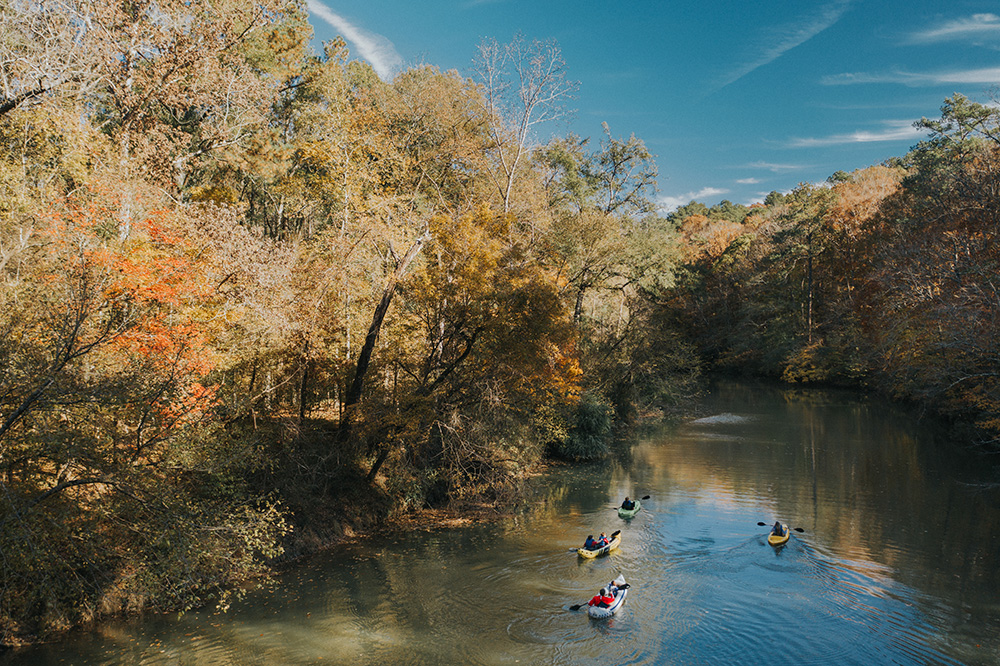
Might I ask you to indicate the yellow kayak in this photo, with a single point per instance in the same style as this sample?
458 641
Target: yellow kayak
776 540
615 542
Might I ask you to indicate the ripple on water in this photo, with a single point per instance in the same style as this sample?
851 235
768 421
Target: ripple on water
723 419
714 600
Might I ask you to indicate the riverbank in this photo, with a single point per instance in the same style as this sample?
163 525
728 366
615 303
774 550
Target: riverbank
875 491
311 513
320 516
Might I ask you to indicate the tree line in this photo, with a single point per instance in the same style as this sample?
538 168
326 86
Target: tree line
883 278
255 297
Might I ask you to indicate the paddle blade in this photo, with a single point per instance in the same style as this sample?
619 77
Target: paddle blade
798 529
576 607
645 497
762 524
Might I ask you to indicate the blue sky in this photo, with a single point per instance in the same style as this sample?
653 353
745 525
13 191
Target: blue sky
736 98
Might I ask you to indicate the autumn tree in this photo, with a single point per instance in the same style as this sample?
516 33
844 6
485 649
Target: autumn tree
174 85
433 126
489 345
612 253
601 199
624 173
932 294
105 412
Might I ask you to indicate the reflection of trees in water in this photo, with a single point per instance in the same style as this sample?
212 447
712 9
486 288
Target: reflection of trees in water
877 481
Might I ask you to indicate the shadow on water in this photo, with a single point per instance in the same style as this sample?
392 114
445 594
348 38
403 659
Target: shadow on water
897 563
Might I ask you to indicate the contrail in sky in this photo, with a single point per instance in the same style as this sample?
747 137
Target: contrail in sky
787 38
376 49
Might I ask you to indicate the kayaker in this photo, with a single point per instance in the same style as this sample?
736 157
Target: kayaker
776 529
614 588
602 599
628 504
602 540
590 544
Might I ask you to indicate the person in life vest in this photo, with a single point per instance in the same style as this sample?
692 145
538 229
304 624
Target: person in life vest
602 599
603 540
628 504
776 529
590 544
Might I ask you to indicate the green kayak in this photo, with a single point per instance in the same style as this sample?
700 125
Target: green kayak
628 513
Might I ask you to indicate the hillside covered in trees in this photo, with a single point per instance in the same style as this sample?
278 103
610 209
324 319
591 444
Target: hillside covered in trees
255 298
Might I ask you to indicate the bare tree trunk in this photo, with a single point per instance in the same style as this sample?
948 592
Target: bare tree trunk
304 386
373 472
353 395
578 308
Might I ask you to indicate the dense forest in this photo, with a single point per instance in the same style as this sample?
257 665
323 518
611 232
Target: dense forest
256 298
884 278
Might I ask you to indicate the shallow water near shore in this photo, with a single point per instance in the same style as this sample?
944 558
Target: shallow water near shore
898 561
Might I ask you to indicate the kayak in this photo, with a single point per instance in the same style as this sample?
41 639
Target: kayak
628 513
599 612
775 540
615 542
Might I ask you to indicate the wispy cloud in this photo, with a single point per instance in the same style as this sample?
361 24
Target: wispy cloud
985 75
374 48
973 28
784 38
748 181
776 168
669 203
894 130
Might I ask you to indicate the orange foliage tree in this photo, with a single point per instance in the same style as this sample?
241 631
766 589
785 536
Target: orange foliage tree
111 363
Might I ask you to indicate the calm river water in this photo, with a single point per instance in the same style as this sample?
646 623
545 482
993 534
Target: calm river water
898 561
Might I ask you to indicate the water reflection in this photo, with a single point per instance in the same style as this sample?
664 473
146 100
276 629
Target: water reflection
897 562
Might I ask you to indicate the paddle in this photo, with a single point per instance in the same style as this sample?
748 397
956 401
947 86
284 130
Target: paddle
797 529
613 535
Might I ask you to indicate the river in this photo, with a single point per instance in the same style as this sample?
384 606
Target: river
898 560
